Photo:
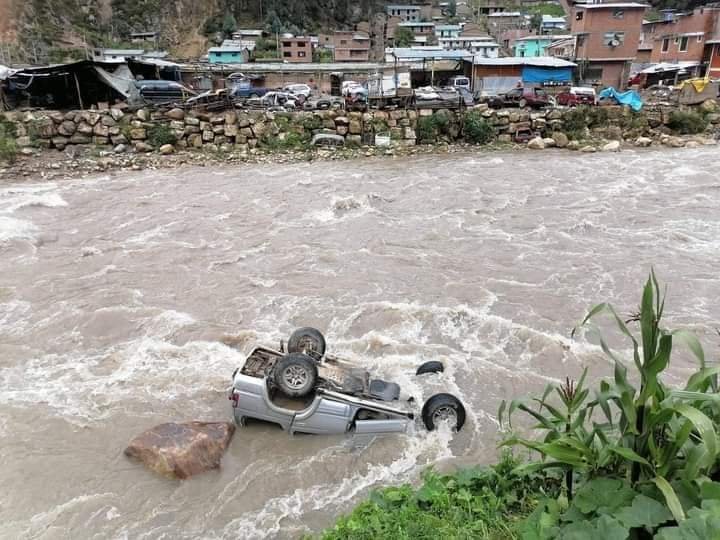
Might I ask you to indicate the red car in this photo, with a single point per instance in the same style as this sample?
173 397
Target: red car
577 95
521 97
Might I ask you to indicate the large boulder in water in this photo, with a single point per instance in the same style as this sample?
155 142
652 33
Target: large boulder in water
182 450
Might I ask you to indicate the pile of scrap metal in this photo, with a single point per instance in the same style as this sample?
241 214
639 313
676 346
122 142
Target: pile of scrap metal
79 85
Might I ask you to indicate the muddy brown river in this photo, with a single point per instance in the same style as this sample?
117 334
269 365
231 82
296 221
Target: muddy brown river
115 294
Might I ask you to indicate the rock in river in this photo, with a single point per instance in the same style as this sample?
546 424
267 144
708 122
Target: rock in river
180 450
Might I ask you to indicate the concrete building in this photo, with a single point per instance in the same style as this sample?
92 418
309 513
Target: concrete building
550 24
419 28
530 46
230 52
606 40
448 30
507 20
248 34
482 45
405 12
119 55
351 46
296 49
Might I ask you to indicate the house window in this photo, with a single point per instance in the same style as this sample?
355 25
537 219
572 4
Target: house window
665 45
286 44
579 16
301 54
613 39
580 40
683 44
343 42
618 14
301 44
287 54
699 39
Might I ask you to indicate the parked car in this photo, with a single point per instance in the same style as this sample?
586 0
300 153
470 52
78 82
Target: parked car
210 98
274 101
521 97
305 390
163 91
577 95
298 90
244 89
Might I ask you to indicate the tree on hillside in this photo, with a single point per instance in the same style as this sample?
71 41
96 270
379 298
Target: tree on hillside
229 25
452 8
536 22
404 37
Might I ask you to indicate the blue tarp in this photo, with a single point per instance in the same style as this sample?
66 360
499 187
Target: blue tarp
535 74
630 98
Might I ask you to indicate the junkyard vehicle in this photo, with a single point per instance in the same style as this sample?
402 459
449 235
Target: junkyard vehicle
274 101
298 90
390 89
159 92
521 97
211 100
305 390
245 89
322 103
460 81
577 95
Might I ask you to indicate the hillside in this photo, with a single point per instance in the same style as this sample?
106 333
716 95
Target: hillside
53 29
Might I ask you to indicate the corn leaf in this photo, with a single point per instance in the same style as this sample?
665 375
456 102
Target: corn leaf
671 498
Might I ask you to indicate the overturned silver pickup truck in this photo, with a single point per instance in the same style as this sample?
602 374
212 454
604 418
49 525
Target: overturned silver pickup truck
306 391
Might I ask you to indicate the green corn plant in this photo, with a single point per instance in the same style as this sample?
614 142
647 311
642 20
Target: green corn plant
644 432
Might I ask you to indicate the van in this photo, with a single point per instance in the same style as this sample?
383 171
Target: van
163 91
460 81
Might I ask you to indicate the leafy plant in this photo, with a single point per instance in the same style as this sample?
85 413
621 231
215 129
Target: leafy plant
659 442
476 129
472 503
429 128
687 122
161 134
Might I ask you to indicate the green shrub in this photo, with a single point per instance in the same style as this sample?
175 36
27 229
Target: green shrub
291 141
8 133
477 130
311 122
161 134
687 122
575 123
472 503
429 128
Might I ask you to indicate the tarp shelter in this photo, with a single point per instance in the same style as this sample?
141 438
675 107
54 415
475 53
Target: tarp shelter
63 86
540 75
630 98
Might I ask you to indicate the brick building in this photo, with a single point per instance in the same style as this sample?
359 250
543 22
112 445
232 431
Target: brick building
684 38
297 49
351 46
607 37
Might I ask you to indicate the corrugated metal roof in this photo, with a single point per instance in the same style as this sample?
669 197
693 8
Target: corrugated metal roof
612 5
419 54
539 61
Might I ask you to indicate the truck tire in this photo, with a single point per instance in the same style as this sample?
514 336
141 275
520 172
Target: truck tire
443 407
295 375
308 341
522 103
430 367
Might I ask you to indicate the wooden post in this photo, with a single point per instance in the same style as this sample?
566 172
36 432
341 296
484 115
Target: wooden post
77 87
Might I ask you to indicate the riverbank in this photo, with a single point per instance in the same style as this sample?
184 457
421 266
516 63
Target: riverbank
55 144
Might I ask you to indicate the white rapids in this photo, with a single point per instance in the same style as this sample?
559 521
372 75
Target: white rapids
116 291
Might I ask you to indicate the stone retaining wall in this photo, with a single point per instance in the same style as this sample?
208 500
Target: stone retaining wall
237 130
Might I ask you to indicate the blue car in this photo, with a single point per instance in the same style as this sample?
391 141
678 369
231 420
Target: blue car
245 89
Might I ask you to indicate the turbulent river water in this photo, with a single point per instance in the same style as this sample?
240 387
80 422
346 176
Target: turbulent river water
116 294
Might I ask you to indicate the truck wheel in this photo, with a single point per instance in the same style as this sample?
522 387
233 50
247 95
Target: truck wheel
308 341
254 95
522 103
430 367
295 374
443 408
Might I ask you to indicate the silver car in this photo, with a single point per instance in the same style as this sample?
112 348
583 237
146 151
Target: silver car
304 390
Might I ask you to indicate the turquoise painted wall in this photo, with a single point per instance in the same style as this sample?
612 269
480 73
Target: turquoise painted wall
225 57
531 47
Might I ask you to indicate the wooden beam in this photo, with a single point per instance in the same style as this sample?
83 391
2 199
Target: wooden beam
77 87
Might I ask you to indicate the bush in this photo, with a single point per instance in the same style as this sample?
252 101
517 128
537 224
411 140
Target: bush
8 133
687 122
575 123
477 130
161 134
472 503
429 128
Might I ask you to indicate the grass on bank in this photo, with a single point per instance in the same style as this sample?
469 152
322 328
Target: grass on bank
630 459
8 147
